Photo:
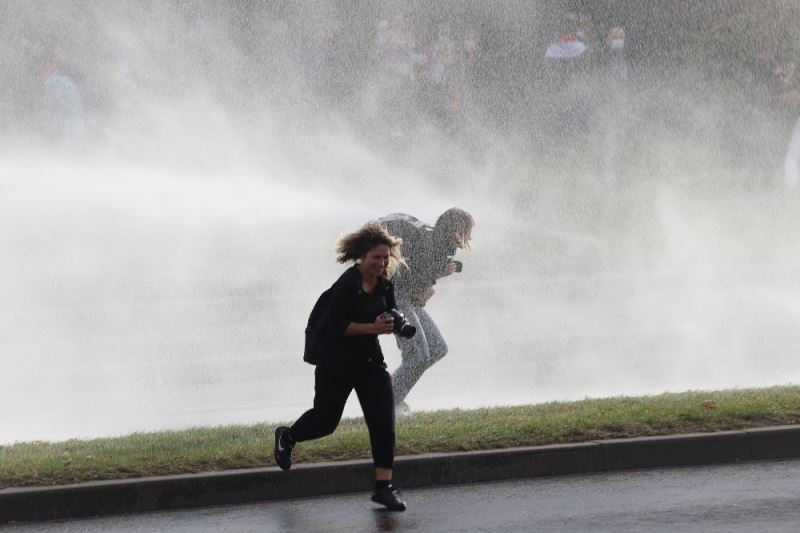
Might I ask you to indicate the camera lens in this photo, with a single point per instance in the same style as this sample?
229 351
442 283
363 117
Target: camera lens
401 325
407 330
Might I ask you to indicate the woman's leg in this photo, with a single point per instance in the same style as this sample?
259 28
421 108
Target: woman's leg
437 347
414 353
374 390
792 160
332 386
419 352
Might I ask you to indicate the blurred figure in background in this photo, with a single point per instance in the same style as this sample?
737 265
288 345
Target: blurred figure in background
585 33
444 78
614 112
62 116
569 92
759 122
19 85
471 119
393 56
790 95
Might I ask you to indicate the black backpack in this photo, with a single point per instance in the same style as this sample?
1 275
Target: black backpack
313 352
315 330
407 227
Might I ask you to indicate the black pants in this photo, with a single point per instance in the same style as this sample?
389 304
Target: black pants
332 385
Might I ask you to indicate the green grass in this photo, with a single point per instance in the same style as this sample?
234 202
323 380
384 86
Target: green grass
229 447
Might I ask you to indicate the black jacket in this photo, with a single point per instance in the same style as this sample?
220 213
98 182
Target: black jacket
349 303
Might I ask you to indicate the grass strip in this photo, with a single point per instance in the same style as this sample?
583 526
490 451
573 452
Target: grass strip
230 447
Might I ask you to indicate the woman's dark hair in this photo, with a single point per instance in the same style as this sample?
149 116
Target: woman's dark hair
457 222
354 246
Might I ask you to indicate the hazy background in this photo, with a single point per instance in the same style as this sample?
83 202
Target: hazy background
159 261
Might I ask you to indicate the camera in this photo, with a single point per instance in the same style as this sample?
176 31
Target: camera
459 265
401 325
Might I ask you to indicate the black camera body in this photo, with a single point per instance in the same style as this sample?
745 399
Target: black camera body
401 325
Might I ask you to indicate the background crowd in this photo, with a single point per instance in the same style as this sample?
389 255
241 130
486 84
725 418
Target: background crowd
608 86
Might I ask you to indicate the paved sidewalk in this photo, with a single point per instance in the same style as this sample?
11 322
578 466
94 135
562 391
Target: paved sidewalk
264 484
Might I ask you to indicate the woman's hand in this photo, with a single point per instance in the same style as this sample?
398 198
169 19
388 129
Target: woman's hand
383 324
450 268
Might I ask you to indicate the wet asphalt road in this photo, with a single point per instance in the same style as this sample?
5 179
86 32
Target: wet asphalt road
761 497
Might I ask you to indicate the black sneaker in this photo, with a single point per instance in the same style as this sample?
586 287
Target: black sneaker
390 498
283 450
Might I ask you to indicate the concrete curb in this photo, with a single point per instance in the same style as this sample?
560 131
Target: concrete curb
264 484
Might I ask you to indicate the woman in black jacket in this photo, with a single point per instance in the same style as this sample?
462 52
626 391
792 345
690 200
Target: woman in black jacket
352 358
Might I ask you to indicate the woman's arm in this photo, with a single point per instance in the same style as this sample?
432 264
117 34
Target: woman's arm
343 296
447 269
381 325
